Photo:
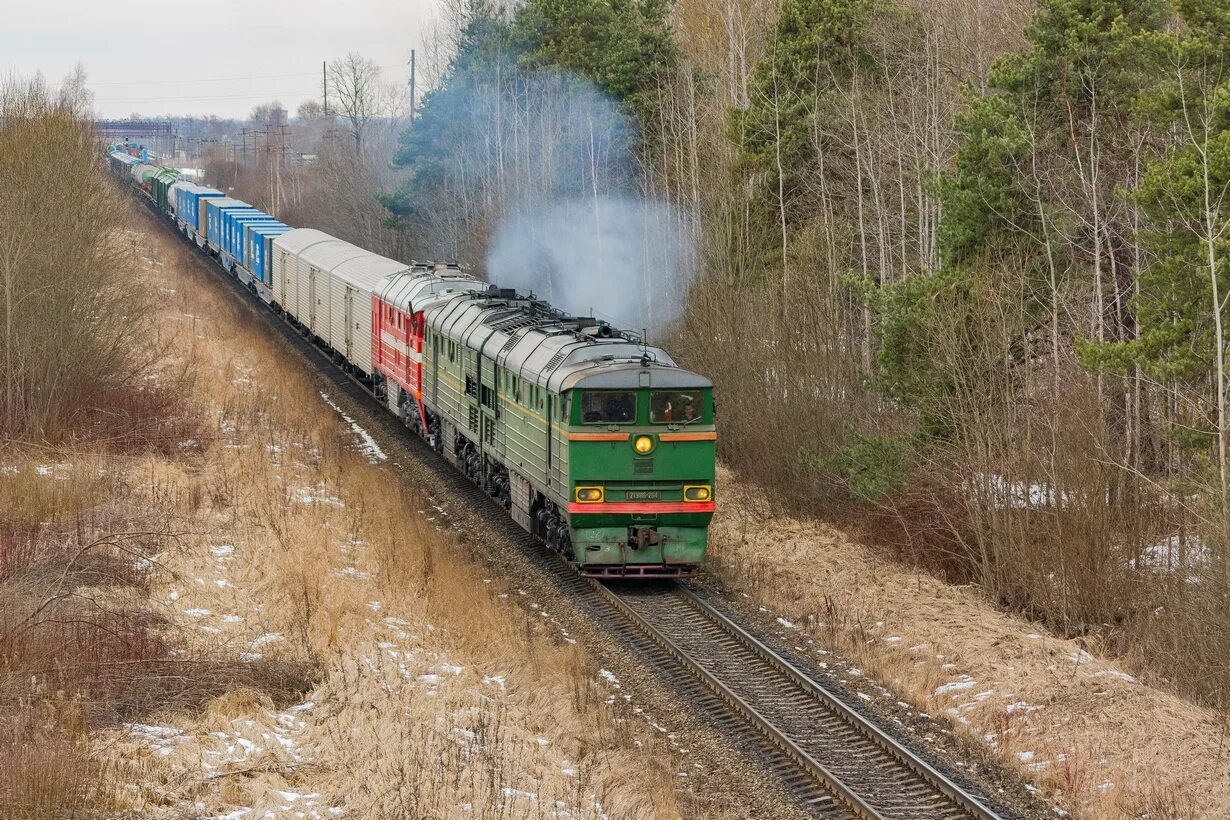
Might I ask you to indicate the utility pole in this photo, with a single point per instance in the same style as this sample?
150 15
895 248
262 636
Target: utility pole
412 86
277 169
324 83
245 131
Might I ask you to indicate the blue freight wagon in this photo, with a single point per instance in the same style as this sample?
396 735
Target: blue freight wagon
243 232
225 223
260 250
237 225
189 206
214 209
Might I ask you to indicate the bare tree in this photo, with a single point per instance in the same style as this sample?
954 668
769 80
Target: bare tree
360 93
310 110
269 113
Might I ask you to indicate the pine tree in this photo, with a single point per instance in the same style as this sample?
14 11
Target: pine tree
1039 186
1185 195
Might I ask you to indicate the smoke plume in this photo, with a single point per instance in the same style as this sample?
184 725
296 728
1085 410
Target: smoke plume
539 170
624 259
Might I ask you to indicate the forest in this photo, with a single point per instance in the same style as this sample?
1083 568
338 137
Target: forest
959 271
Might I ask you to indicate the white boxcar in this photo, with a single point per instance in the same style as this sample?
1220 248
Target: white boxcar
314 283
286 250
352 284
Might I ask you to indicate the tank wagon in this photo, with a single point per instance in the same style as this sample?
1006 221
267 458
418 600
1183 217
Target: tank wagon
594 441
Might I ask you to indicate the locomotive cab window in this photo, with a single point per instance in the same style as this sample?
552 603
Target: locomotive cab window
608 407
676 407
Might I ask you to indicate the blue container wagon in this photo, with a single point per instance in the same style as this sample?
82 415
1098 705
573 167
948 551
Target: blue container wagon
260 250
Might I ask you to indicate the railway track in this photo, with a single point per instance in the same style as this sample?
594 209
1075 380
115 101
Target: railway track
833 760
829 744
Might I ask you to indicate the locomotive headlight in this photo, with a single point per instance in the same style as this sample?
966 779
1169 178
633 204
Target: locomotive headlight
643 445
698 492
590 495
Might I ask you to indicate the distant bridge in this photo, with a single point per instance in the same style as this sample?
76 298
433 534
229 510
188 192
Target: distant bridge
134 128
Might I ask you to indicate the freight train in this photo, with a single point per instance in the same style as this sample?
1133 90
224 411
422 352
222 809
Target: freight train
592 440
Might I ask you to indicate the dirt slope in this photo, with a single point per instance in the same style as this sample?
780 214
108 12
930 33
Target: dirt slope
1087 734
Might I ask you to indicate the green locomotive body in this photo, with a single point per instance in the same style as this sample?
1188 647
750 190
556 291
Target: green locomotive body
598 444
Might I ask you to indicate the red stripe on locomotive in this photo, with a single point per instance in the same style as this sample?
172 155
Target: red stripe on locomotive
397 345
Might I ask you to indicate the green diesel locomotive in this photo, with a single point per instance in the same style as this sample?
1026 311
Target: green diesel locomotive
595 442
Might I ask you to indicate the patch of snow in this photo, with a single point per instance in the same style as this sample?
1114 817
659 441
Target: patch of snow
1175 554
154 732
786 623
497 680
367 445
197 612
609 676
1005 494
250 657
1021 706
964 682
222 551
1114 673
510 792
315 495
267 638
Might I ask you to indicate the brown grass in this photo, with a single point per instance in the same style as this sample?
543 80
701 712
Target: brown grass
1102 744
430 691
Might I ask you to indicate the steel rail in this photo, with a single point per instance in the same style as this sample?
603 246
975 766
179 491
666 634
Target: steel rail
779 738
967 801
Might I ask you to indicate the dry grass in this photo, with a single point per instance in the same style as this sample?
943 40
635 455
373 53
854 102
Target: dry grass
1093 738
431 693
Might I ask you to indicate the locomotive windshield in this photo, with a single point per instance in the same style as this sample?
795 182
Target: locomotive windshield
676 407
608 407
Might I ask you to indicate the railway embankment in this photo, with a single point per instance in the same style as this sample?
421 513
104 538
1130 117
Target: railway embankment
940 660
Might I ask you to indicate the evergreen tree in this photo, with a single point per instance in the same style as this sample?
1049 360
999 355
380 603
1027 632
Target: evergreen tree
1185 195
625 47
1039 186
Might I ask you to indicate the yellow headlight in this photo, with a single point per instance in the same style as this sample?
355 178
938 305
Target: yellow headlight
698 492
590 494
643 445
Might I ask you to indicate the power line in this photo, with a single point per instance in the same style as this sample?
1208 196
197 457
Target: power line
253 95
209 80
217 79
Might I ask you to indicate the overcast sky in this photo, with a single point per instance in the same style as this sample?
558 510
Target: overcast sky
209 56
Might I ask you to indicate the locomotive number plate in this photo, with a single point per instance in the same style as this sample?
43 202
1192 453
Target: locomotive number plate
643 495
